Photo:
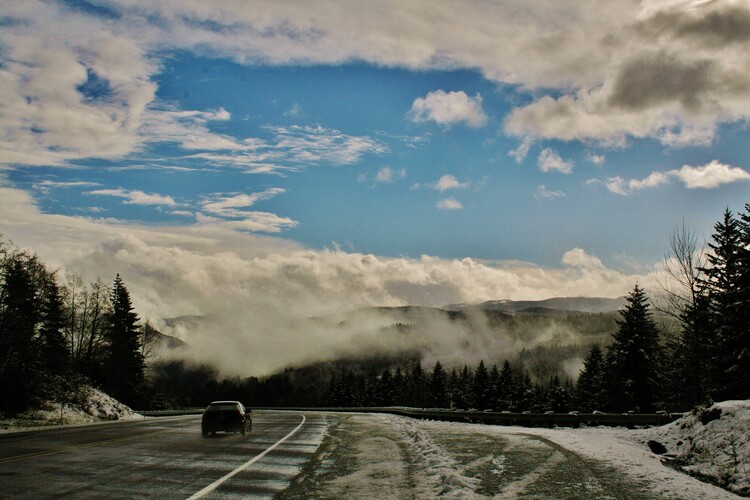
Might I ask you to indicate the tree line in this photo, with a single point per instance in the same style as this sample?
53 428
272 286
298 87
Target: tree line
55 338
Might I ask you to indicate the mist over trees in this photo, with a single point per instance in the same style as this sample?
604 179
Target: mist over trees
54 337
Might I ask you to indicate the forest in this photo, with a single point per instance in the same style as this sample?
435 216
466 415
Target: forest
689 347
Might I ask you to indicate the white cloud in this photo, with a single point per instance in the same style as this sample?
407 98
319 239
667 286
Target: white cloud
135 197
230 212
522 150
596 159
546 194
387 175
550 160
709 176
447 108
578 258
448 182
673 71
449 204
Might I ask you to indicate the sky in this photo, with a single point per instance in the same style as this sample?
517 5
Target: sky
319 156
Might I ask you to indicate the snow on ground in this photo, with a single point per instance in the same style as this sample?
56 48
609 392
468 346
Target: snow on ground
713 443
96 407
618 448
388 456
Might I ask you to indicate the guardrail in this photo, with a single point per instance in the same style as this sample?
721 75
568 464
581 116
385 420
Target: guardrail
572 419
170 413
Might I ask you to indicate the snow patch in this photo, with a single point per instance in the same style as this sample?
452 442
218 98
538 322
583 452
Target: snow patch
96 406
440 472
712 443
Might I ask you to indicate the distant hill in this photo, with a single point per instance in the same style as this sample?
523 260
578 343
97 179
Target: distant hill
553 306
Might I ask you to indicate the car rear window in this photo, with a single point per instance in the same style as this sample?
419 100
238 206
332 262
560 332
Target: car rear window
222 407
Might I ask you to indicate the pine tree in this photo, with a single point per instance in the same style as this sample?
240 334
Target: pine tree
438 392
18 319
481 387
634 360
125 366
590 386
727 284
53 348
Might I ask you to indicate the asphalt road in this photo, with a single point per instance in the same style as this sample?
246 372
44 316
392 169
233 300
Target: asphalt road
159 458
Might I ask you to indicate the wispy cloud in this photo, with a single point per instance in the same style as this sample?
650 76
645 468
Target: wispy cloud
709 176
135 197
230 211
47 185
521 152
543 193
449 204
448 108
549 160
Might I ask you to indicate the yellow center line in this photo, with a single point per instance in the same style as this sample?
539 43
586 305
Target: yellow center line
78 446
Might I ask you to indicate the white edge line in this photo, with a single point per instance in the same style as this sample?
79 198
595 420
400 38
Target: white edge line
211 487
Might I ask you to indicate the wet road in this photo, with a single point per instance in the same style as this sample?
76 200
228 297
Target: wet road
159 458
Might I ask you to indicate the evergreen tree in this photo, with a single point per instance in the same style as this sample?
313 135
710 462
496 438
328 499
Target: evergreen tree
53 348
728 287
18 320
590 386
125 365
634 359
481 387
385 389
399 387
438 391
494 383
505 387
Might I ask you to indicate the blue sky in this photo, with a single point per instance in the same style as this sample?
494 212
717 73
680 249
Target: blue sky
521 131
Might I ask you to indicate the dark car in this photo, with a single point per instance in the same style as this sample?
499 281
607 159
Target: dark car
227 416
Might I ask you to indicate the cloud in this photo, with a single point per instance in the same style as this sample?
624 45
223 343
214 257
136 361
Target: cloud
50 58
385 175
260 291
135 197
448 182
448 108
79 85
675 75
449 204
229 212
596 159
522 150
549 160
46 186
578 258
709 176
291 148
543 193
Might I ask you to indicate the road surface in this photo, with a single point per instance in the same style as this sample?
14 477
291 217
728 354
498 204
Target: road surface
158 458
327 455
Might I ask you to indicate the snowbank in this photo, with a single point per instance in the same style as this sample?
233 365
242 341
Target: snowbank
711 443
96 407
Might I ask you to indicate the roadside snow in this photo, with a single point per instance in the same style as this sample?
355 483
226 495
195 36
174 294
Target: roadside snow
97 407
389 456
618 448
713 443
